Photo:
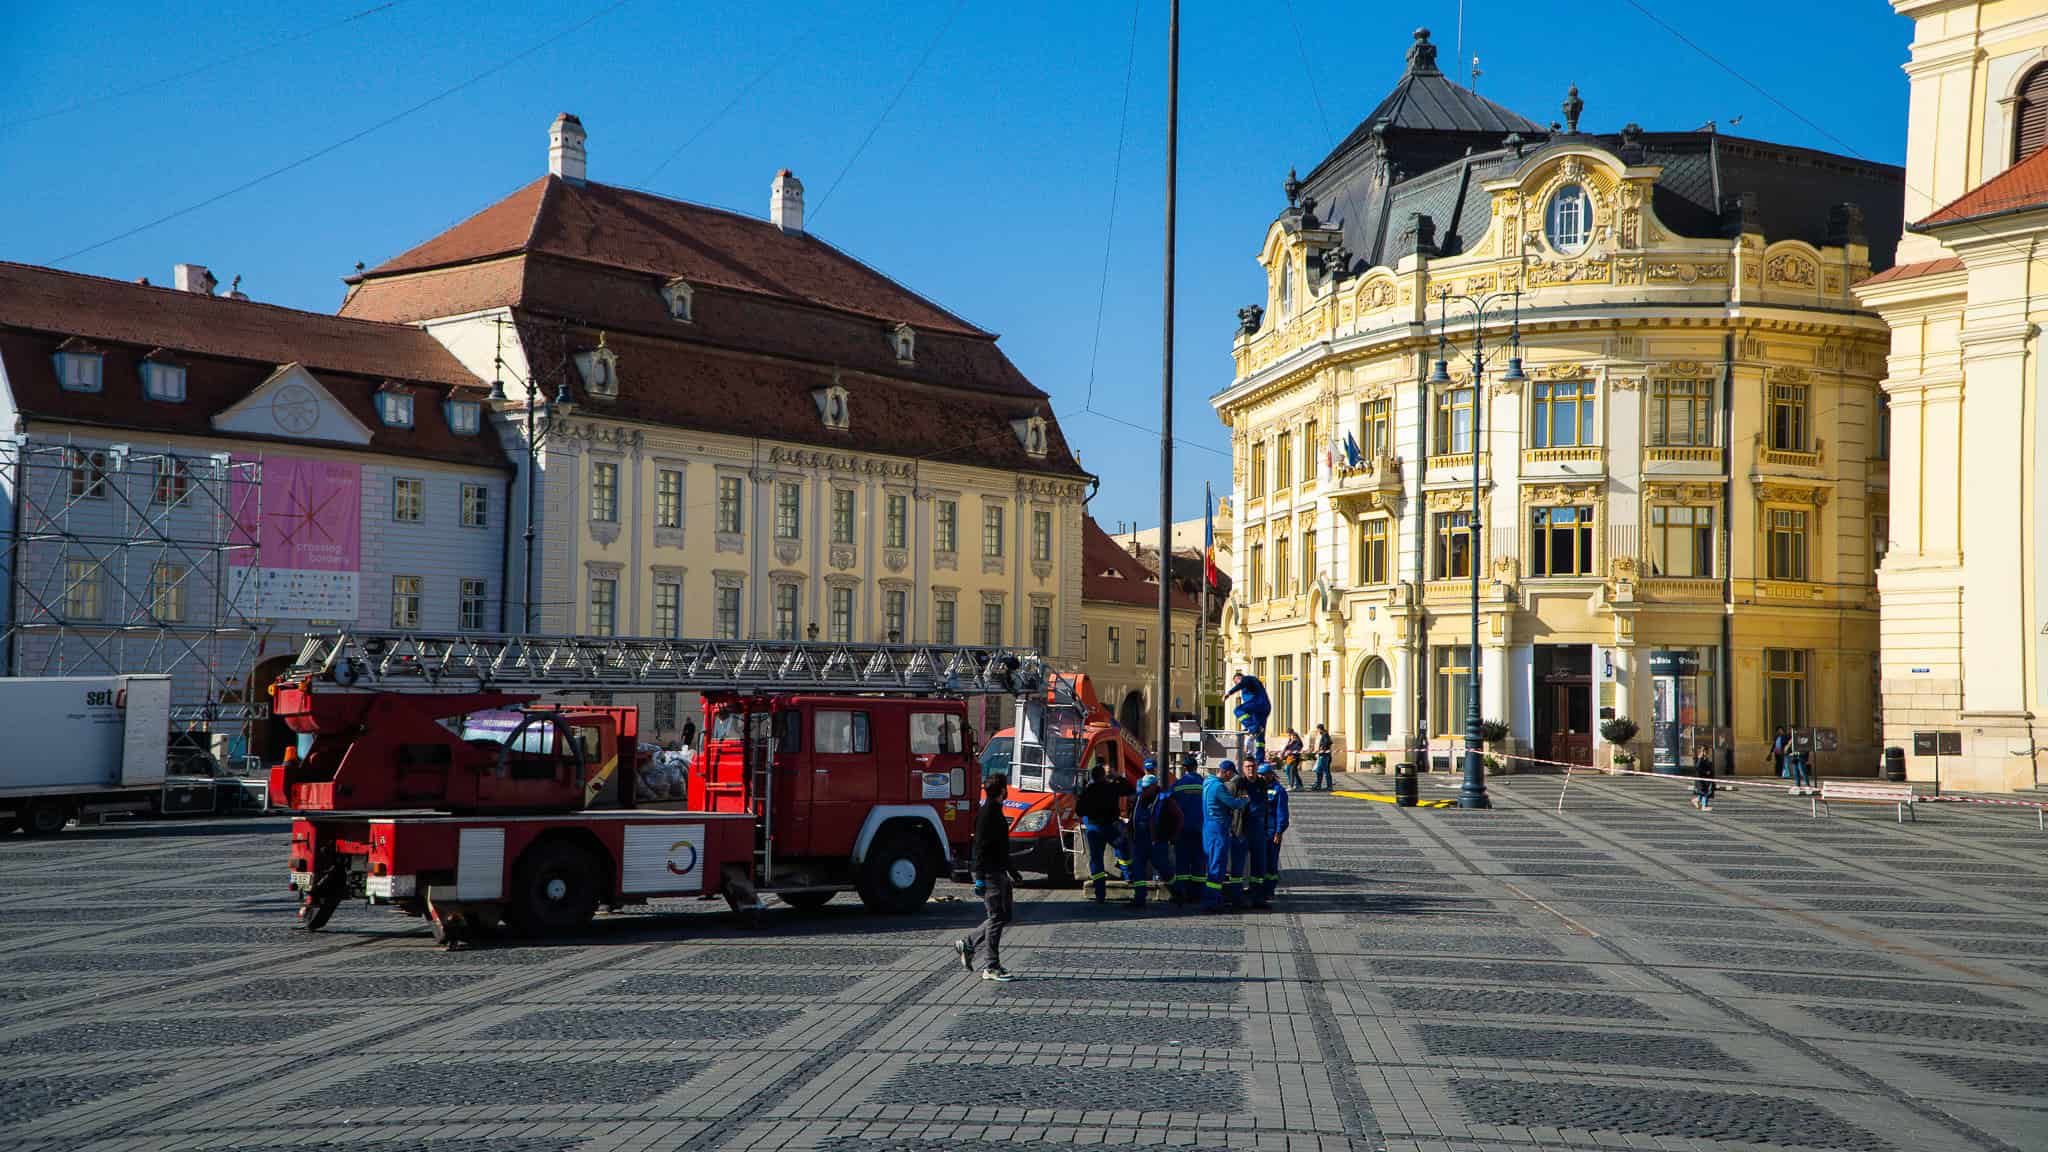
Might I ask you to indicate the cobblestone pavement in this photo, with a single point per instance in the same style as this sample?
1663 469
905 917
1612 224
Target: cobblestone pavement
1628 973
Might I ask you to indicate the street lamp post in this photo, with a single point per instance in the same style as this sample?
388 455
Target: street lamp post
1472 794
540 423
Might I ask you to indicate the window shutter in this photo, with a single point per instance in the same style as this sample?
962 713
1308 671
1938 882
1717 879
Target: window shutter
2031 132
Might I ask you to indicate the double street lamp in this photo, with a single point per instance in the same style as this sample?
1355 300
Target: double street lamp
1473 792
542 415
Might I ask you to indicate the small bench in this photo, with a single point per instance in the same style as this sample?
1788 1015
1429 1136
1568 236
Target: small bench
1900 796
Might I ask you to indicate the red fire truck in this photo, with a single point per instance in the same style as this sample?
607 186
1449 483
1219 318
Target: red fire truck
436 784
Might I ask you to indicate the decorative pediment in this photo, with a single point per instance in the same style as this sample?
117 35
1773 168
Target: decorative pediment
1557 495
1690 493
294 404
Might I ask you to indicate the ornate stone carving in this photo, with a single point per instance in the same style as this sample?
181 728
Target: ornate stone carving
1687 368
1564 370
1815 496
896 559
1793 270
1789 374
1683 493
1450 500
1550 272
1250 318
1375 294
728 542
787 551
1625 383
1559 494
841 556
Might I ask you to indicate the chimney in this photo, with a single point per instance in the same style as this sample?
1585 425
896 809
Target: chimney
786 202
565 148
194 278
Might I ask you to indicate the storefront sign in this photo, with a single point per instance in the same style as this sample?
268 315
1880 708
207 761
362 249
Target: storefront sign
1674 664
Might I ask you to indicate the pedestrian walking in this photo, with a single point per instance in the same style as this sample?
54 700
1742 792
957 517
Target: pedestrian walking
1291 755
1100 808
1155 824
1190 862
993 878
1252 708
1795 762
1322 751
1220 807
1781 743
1703 788
1276 830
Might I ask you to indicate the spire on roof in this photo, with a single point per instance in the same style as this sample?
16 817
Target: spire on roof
1421 54
1572 106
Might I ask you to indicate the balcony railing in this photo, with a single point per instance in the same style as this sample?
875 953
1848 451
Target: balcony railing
1671 454
1450 460
1792 590
1781 458
1580 452
1371 474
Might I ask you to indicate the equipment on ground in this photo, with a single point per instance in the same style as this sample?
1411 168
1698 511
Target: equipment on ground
81 745
435 783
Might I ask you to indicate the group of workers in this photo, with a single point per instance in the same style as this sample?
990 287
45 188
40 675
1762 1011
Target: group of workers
1212 843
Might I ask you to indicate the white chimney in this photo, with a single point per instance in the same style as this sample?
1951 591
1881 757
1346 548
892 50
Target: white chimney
786 202
565 148
194 278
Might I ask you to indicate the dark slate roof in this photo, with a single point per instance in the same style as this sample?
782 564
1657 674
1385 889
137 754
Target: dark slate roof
1426 100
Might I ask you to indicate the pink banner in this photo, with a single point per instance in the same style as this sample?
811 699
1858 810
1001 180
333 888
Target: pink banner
312 516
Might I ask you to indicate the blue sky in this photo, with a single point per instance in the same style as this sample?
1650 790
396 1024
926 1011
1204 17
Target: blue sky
987 187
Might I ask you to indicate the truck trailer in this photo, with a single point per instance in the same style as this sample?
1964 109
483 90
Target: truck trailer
80 746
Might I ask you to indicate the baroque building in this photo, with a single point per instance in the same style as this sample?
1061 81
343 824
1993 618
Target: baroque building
1681 495
1964 587
751 433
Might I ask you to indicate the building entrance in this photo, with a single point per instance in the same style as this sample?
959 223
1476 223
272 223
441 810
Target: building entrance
1563 711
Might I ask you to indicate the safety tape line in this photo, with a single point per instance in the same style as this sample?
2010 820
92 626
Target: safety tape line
1390 799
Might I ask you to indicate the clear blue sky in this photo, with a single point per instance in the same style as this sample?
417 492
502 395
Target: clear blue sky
987 187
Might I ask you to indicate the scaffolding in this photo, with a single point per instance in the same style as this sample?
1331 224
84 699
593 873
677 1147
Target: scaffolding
122 560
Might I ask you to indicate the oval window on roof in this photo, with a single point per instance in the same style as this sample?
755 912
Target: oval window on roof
1568 221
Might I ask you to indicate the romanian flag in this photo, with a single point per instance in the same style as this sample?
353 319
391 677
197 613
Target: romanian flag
1209 575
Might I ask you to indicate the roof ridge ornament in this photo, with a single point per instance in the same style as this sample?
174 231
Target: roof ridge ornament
1291 187
1421 54
1572 106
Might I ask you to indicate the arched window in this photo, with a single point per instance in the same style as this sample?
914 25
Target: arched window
2030 115
1286 289
1375 703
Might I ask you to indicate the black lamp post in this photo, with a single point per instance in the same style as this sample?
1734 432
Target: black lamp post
1473 793
541 415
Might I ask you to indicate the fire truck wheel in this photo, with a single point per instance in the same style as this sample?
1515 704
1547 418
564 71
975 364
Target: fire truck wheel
321 902
554 889
805 901
45 817
898 874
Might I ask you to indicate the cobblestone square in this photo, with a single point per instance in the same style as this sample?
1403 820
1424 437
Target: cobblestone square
1624 974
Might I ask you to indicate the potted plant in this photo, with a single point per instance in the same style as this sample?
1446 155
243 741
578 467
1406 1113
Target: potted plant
1618 732
1377 762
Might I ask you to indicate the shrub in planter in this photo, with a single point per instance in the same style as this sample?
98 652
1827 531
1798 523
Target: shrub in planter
1492 731
1377 762
1618 731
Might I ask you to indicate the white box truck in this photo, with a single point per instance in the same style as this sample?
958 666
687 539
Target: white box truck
77 745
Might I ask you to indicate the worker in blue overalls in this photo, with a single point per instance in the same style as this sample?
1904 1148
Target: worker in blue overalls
1254 847
1155 820
1252 709
1100 808
1276 828
1190 863
1221 807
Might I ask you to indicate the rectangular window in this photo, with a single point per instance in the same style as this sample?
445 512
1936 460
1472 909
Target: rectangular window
946 527
991 622
842 516
1453 688
725 613
840 733
1256 476
1564 414
167 593
1452 555
1376 428
163 381
1883 448
79 371
1786 553
464 417
665 712
896 521
668 610
839 618
789 504
604 606
88 473
471 618
1681 542
1561 541
1283 693
785 611
992 530
1880 539
1375 537
1788 417
1311 449
476 504
934 732
1282 584
1041 628
1041 536
1283 461
395 409
405 601
1681 413
1116 645
173 481
84 590
943 631
1308 558
729 501
1084 643
668 498
896 616
408 500
604 491
1785 688
1143 648
1453 421
1257 571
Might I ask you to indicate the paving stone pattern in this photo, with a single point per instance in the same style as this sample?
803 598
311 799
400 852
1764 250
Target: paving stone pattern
1433 981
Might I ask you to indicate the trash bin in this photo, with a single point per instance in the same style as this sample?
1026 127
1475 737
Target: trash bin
1895 764
1407 786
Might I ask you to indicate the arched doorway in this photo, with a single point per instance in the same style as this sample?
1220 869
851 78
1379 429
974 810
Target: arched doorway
1131 713
1375 704
268 737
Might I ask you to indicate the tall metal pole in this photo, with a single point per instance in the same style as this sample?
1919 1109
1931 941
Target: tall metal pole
1164 697
1201 671
1473 793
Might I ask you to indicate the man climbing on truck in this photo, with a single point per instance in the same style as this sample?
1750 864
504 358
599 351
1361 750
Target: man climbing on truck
1253 707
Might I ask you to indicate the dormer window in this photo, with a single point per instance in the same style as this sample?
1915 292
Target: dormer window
905 339
832 407
1286 290
464 417
600 369
1032 434
163 380
677 295
394 408
1568 221
78 370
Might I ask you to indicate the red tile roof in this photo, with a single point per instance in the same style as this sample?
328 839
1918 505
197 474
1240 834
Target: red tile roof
228 349
1909 271
1114 575
2024 185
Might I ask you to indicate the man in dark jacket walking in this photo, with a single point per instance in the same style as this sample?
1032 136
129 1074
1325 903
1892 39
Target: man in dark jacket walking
992 879
1100 807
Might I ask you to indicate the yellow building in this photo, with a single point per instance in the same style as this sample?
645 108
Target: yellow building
765 438
1964 585
1674 521
1119 636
